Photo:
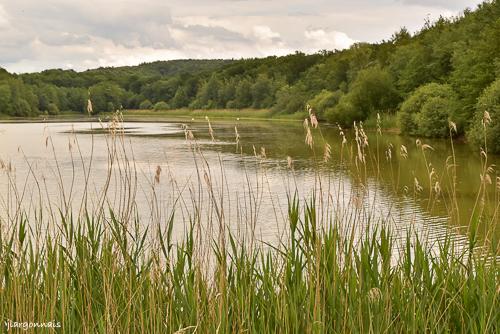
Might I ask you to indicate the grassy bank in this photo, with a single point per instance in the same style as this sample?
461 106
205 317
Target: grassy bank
104 270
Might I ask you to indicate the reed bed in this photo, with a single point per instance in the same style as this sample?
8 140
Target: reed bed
97 267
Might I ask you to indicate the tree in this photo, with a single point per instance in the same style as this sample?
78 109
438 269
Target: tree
180 99
208 93
372 91
22 108
345 113
106 96
434 118
243 95
162 105
53 109
5 99
475 62
409 65
146 104
324 100
485 129
428 110
289 100
262 92
77 99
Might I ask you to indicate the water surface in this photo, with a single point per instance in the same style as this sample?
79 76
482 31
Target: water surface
252 180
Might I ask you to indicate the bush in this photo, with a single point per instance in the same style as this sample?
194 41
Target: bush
161 106
106 97
146 104
488 101
372 91
345 113
433 120
428 110
110 107
22 108
289 100
53 109
324 100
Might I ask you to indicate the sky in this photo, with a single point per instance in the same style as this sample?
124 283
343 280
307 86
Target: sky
82 34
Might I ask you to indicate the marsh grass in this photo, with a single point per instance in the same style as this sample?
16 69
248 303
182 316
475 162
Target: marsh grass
101 269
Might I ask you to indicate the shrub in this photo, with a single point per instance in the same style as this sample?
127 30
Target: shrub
161 106
428 110
488 101
146 104
372 91
289 100
433 119
53 109
345 113
22 108
324 100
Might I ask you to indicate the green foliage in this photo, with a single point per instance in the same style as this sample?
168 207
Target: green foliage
243 95
262 92
434 117
106 97
180 100
146 104
485 132
17 99
162 105
408 64
372 91
324 100
53 109
5 99
22 108
476 59
428 110
345 113
289 100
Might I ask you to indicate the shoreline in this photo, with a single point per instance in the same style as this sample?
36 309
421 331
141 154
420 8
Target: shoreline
134 115
162 116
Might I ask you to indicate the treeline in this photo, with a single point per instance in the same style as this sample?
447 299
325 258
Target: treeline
439 74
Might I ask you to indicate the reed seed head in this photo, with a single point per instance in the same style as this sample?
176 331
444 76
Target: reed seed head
327 153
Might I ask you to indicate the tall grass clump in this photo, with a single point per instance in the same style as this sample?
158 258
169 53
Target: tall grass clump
101 269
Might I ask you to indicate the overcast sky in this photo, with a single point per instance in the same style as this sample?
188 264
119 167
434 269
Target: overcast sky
81 34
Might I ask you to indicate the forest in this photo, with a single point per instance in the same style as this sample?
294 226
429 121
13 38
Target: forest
446 73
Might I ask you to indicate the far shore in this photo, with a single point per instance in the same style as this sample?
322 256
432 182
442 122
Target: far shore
142 115
137 115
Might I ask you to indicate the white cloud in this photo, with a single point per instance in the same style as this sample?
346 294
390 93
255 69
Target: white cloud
265 33
323 40
4 21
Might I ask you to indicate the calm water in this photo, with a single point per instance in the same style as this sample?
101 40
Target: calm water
42 161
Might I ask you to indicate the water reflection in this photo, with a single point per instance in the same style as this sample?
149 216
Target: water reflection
52 159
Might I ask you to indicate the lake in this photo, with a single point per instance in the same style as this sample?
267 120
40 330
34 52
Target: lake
156 171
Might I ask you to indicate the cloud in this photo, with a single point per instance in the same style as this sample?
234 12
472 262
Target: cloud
264 33
4 21
81 34
446 4
328 40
